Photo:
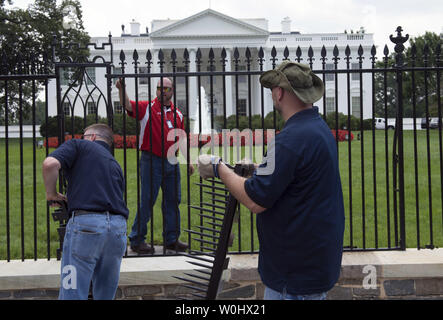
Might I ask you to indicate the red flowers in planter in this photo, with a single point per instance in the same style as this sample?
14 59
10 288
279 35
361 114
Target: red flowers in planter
257 138
343 135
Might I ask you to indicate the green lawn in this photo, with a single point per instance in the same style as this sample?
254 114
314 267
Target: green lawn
38 225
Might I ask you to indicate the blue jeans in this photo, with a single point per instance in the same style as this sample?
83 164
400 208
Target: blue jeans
93 248
271 294
171 198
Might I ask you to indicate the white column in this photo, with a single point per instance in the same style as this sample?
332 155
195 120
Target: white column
155 68
268 103
193 93
229 97
256 90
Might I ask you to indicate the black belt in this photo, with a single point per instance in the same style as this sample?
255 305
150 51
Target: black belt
83 212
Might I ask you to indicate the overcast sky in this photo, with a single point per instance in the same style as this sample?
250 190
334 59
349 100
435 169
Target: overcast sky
380 17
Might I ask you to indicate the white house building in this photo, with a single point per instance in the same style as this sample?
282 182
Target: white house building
210 29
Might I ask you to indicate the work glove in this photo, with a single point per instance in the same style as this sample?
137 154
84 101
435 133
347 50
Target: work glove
208 166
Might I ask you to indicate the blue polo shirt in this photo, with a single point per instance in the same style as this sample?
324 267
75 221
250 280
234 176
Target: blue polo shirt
301 231
95 179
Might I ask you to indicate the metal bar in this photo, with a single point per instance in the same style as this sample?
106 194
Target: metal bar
428 153
188 146
363 199
348 87
211 187
193 288
48 224
8 230
214 224
196 276
208 229
215 194
414 115
374 166
214 206
207 248
197 257
191 281
34 169
202 253
210 217
137 137
388 205
198 64
17 77
22 204
220 255
176 167
208 210
205 241
440 127
336 58
151 168
215 181
202 234
220 201
200 264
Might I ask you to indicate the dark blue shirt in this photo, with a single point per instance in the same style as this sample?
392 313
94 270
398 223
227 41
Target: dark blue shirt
95 179
301 231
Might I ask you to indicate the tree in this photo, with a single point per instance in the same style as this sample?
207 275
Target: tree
26 37
421 52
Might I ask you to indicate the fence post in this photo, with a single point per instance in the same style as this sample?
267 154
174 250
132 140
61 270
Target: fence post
399 48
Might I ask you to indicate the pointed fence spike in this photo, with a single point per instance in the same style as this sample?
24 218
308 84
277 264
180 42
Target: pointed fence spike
373 51
273 52
386 50
261 53
323 52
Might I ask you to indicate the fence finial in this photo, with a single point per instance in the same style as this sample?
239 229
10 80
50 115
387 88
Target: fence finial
399 47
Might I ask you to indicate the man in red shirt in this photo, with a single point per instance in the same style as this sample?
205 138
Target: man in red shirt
157 118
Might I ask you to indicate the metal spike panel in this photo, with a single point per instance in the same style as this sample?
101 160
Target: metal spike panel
60 215
205 282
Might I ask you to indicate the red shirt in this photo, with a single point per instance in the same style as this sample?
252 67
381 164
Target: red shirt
172 118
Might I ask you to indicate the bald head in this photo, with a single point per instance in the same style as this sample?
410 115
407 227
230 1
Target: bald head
165 90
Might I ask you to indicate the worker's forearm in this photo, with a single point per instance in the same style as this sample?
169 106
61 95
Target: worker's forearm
124 100
236 186
50 169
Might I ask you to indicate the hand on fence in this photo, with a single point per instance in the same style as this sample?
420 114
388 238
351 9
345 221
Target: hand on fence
191 169
248 165
208 166
56 200
119 84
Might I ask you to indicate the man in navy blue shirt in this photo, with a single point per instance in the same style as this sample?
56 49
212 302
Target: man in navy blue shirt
95 238
296 192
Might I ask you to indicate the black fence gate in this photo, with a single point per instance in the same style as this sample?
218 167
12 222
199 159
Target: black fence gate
392 179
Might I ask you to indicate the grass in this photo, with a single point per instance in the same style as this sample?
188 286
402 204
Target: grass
371 221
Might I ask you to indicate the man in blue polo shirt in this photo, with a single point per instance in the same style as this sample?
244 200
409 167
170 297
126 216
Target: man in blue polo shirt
95 239
296 192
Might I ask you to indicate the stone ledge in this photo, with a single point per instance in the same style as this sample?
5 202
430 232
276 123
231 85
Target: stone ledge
45 274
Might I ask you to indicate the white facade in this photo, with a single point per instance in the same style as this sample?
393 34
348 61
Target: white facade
212 30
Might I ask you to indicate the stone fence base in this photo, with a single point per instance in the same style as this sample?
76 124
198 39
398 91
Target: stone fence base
410 274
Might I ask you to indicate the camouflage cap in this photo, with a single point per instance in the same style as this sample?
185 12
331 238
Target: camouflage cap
295 77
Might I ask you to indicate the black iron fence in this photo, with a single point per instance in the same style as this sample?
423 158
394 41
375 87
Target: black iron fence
392 179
